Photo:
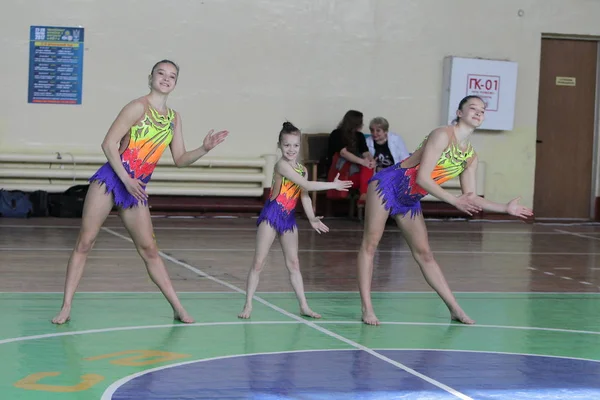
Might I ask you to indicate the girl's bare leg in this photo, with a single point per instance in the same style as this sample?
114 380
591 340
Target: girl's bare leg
415 232
375 218
96 208
289 245
138 222
264 239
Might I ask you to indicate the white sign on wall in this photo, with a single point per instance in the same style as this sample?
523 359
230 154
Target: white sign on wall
492 80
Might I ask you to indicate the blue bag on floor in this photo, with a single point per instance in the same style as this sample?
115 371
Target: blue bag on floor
14 204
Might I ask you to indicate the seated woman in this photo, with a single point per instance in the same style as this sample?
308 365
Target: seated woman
350 155
387 148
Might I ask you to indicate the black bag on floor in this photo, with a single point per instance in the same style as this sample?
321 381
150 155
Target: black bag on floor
68 204
39 202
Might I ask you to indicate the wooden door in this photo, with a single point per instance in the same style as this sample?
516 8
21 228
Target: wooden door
565 129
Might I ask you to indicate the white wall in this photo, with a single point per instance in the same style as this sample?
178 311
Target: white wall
248 65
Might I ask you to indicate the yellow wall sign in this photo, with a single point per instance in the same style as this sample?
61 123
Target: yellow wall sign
565 81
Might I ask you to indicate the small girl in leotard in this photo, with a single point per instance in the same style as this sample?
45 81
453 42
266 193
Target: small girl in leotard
133 145
396 191
277 217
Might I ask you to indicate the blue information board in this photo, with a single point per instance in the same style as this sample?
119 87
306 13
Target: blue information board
55 65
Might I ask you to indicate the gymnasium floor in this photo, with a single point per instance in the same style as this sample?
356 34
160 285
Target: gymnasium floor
533 290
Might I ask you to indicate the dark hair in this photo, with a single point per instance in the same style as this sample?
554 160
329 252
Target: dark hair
164 62
289 129
349 125
462 103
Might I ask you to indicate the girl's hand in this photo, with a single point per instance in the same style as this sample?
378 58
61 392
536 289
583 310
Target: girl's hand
342 186
466 203
212 140
514 208
318 225
136 188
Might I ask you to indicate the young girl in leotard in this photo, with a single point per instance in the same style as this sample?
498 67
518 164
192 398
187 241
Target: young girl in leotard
277 217
133 145
396 191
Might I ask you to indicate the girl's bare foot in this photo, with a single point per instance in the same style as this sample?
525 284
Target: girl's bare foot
245 314
369 318
183 316
307 312
63 316
461 317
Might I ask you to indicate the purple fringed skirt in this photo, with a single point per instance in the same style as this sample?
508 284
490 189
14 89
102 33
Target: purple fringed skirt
278 217
107 176
397 189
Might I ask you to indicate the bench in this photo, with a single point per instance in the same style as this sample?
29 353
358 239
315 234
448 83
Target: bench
223 178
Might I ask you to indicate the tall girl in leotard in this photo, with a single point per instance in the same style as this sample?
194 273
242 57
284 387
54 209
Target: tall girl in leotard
396 191
277 217
133 145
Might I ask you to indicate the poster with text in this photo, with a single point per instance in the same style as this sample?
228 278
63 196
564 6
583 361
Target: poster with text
494 81
55 65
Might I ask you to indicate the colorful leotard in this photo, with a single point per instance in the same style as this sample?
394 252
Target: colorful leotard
140 152
280 208
397 185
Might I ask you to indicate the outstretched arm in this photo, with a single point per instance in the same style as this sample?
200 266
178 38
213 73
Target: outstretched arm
183 158
468 184
285 169
315 222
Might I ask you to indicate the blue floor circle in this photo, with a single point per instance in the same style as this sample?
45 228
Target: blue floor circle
355 374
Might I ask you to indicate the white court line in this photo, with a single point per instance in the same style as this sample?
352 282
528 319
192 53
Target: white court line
522 328
320 322
308 323
278 250
494 352
322 292
108 393
133 328
202 228
581 235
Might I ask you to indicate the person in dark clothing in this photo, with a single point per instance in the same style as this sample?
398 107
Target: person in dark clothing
349 154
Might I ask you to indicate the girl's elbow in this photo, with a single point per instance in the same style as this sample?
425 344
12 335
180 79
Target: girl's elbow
105 146
180 162
306 187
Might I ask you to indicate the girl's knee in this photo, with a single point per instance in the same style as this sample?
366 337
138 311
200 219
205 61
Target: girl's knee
293 264
369 245
423 254
148 250
85 244
258 265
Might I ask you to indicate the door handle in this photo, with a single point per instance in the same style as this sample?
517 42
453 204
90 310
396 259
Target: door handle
539 141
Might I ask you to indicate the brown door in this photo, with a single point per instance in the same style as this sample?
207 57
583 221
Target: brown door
565 129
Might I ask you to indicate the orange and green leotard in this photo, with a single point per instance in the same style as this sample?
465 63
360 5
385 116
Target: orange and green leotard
140 151
397 185
279 209
148 139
